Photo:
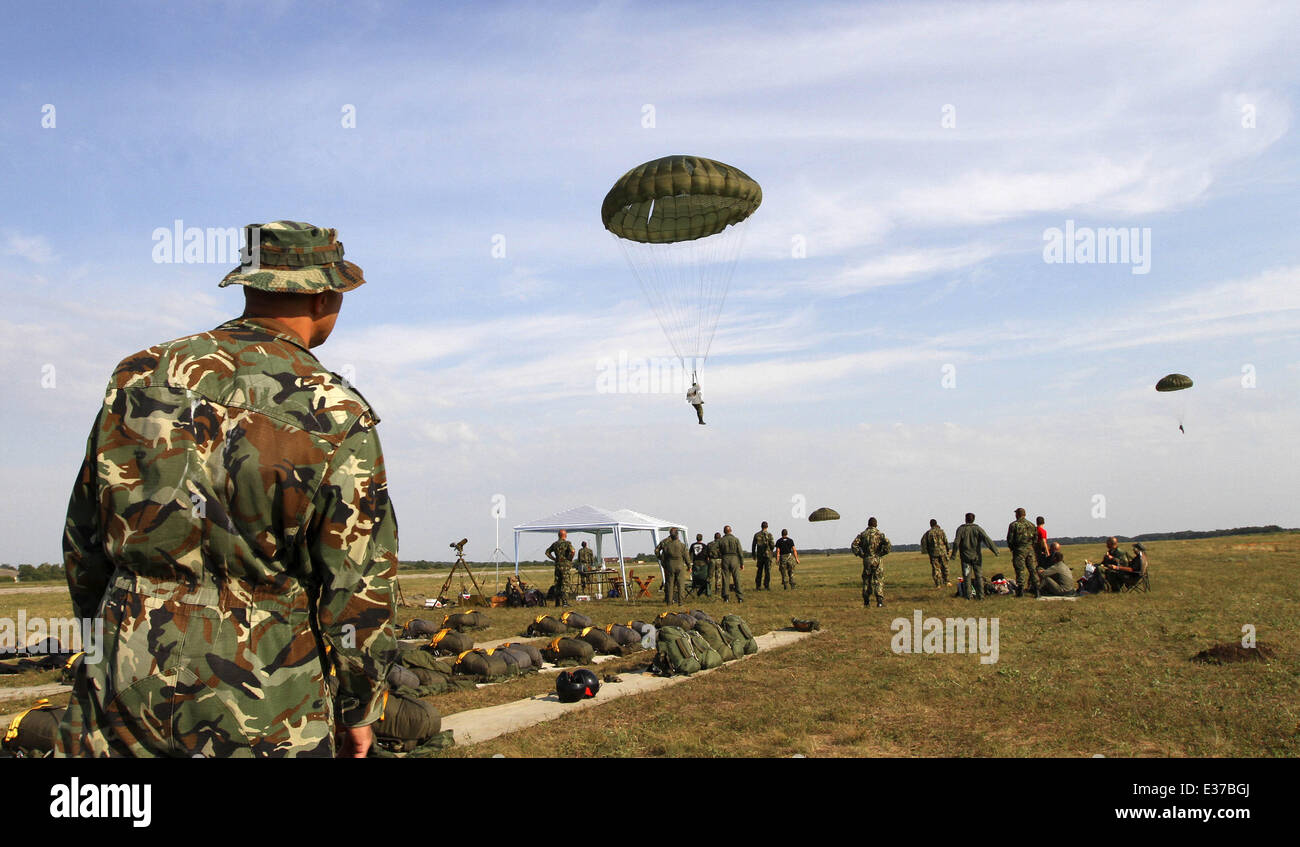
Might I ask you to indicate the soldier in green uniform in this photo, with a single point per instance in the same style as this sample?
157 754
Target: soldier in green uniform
871 545
733 562
715 561
967 546
935 545
761 551
675 556
561 553
586 564
232 526
1020 541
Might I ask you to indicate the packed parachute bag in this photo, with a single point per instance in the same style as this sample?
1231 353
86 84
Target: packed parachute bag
408 727
449 642
626 636
527 661
736 627
649 633
576 620
545 625
681 620
435 674
674 653
567 652
805 624
32 733
419 628
534 655
602 642
72 667
709 657
718 640
465 621
701 615
487 665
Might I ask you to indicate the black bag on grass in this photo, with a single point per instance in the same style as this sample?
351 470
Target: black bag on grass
576 620
400 676
568 651
406 723
465 621
449 642
701 615
648 631
484 663
735 626
545 625
522 659
626 636
419 628
534 655
677 619
32 733
601 641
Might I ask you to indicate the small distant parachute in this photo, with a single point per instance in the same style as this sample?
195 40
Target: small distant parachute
825 513
676 220
1174 382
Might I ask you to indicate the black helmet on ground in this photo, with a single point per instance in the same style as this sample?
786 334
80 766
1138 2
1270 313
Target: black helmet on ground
572 686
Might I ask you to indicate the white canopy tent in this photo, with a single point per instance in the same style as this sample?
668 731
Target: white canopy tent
601 522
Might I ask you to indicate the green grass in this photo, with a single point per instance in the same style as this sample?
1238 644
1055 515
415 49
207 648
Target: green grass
1108 674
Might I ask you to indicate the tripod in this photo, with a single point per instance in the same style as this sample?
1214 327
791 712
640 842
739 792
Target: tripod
460 563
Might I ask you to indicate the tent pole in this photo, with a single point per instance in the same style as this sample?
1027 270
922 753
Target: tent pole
618 545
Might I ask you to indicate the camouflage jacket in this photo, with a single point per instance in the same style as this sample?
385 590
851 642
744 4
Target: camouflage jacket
870 544
231 523
935 543
586 557
763 545
1021 534
713 549
560 552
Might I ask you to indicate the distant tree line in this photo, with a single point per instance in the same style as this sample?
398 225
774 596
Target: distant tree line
1183 535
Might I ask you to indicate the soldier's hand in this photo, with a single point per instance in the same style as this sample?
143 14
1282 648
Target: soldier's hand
356 742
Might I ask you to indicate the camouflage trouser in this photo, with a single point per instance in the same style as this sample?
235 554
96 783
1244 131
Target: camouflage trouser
939 570
731 574
762 572
564 585
873 579
674 579
786 566
1023 559
715 575
973 573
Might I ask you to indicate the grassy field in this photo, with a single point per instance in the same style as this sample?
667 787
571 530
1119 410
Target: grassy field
1108 674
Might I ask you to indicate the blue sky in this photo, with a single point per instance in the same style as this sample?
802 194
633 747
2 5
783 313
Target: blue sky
924 250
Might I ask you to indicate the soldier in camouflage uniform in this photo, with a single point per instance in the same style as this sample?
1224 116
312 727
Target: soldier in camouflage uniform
675 556
1021 535
871 544
733 562
935 545
232 526
715 561
967 546
586 564
561 552
761 550
789 557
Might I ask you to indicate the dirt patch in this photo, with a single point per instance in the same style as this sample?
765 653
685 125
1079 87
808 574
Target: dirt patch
1226 654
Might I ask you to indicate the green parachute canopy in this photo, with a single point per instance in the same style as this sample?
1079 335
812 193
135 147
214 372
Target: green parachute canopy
678 198
825 513
1174 382
675 220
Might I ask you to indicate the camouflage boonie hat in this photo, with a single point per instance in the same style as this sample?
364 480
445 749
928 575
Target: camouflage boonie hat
294 258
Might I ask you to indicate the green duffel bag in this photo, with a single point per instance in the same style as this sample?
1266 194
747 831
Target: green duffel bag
678 619
449 642
545 625
464 621
576 620
32 733
674 653
601 641
735 626
484 663
406 723
626 636
424 658
709 657
534 655
713 634
568 651
431 681
419 628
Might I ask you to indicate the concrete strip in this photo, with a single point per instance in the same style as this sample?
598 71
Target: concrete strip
483 724
47 690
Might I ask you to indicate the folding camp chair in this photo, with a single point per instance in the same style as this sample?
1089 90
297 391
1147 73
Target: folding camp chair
1140 581
643 584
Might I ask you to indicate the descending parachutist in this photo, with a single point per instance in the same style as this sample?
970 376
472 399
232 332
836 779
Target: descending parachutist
696 399
1180 429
